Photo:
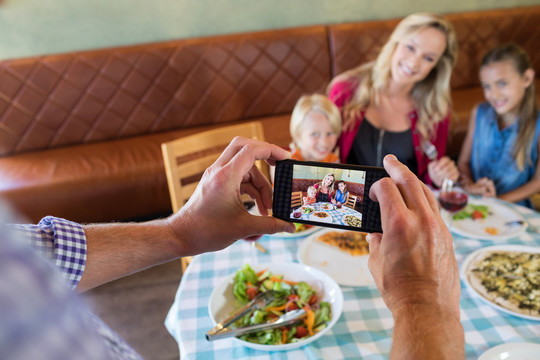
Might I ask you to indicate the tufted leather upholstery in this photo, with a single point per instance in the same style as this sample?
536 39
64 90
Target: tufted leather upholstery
353 188
58 100
80 133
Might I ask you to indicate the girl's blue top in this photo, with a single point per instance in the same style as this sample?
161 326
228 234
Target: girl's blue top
341 197
493 149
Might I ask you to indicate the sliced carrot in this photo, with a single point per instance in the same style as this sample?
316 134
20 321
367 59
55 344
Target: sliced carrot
276 279
284 336
261 272
309 320
276 308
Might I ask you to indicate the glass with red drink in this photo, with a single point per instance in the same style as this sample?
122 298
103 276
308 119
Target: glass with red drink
452 198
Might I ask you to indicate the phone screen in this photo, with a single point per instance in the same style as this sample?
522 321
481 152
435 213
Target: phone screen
331 195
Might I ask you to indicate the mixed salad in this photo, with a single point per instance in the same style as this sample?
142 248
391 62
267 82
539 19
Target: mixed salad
472 211
295 295
301 227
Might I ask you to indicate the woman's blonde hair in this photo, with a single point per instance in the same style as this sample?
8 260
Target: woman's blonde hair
331 187
314 102
528 110
431 95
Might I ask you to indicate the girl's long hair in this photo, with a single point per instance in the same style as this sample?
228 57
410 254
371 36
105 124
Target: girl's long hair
528 110
431 95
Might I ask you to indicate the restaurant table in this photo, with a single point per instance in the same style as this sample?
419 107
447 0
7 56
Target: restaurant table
363 331
336 215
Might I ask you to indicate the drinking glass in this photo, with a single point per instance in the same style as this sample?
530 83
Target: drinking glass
452 198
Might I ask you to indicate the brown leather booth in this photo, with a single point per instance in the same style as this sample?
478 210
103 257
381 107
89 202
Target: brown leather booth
80 133
353 188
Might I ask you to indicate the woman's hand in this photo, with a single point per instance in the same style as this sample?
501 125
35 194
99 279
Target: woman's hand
444 168
215 217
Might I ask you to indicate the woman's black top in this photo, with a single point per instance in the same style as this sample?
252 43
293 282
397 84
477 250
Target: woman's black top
322 197
371 145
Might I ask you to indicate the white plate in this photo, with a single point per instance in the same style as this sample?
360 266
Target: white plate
222 300
512 351
326 206
359 217
306 232
308 207
498 215
327 219
346 269
469 261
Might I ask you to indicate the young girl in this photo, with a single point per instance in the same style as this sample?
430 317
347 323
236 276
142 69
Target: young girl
500 153
401 100
311 197
342 195
315 126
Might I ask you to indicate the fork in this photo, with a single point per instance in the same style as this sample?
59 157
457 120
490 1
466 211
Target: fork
430 150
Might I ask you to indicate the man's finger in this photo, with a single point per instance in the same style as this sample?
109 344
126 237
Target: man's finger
408 184
261 151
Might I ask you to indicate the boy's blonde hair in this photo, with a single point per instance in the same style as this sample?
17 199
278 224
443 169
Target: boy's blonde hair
431 95
314 102
528 109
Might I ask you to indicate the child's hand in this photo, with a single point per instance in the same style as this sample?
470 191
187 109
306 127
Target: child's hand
488 187
483 187
305 201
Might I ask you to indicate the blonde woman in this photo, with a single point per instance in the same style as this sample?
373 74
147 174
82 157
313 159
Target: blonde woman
404 98
325 188
315 126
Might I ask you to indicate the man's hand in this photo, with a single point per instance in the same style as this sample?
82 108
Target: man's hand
215 217
415 269
413 260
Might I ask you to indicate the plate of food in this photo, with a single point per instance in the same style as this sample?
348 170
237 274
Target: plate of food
488 219
321 216
341 254
302 286
512 351
353 220
327 206
506 277
301 230
307 209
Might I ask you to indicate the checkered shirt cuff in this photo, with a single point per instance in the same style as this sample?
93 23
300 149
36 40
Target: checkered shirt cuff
61 241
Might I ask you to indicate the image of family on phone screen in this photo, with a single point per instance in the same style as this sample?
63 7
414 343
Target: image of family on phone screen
327 195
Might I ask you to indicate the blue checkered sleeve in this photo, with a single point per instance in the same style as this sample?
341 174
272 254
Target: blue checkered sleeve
61 241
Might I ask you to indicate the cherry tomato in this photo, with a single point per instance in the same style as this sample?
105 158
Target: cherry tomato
293 297
252 292
312 299
291 306
300 332
477 215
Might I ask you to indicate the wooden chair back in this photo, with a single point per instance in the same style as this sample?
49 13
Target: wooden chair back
187 158
351 202
296 199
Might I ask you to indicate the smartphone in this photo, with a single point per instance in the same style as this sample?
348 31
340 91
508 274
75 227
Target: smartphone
298 196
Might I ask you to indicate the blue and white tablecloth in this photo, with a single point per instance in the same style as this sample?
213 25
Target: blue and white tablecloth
364 330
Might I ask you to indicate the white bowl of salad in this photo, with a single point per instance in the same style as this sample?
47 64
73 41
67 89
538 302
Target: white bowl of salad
302 286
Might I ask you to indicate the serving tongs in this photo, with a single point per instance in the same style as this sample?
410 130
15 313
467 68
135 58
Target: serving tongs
221 330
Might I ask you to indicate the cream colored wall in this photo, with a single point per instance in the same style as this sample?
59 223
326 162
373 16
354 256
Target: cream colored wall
35 27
